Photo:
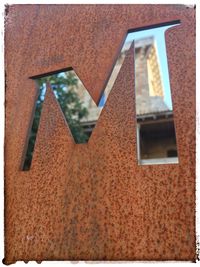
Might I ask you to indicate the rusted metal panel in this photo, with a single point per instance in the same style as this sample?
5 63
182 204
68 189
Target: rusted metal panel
93 201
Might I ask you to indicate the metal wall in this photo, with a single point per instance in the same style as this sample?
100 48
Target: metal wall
93 201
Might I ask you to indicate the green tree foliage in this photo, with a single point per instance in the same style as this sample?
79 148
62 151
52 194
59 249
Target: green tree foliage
65 89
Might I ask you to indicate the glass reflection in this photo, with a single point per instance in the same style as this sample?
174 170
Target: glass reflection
156 141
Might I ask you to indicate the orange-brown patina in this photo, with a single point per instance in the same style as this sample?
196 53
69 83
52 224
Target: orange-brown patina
93 201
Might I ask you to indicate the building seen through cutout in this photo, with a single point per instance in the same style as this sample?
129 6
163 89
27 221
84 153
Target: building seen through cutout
155 124
156 139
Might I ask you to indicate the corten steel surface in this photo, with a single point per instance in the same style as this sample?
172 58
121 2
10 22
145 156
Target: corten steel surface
93 201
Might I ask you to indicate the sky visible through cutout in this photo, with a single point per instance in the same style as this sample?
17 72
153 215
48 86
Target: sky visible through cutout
159 38
79 109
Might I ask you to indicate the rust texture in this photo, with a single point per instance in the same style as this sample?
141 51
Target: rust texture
93 201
